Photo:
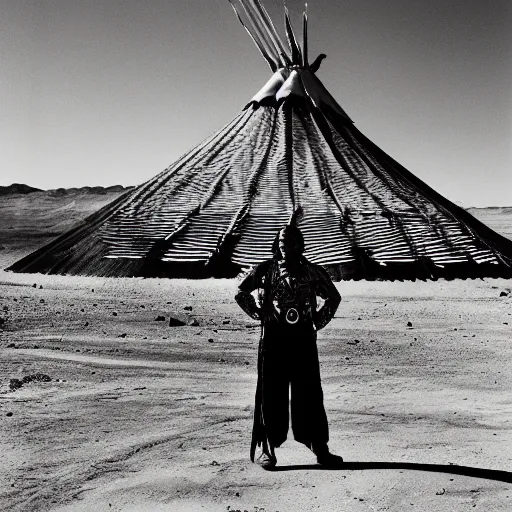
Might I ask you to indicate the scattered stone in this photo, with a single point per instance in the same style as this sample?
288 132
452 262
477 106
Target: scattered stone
114 313
40 286
11 345
359 318
34 285
82 310
122 335
2 321
160 318
9 414
92 290
355 342
6 308
409 324
86 324
210 340
214 463
15 384
246 363
78 350
188 308
36 346
222 360
40 377
225 322
503 294
194 322
176 322
142 306
42 301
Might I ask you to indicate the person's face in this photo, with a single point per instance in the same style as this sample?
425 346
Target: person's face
287 245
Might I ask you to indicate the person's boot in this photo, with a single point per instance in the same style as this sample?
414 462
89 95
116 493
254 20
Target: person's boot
266 461
325 458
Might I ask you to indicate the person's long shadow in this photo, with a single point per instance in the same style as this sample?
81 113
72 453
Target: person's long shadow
488 474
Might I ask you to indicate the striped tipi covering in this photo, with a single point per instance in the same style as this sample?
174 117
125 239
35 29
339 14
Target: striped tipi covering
291 156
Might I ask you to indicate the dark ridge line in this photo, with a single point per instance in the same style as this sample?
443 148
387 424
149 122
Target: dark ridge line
236 222
159 248
315 131
347 224
210 192
458 214
322 122
392 176
288 151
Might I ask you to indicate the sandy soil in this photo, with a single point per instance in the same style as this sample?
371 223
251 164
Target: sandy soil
140 416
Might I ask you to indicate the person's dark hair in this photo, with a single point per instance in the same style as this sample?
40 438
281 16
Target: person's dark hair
293 232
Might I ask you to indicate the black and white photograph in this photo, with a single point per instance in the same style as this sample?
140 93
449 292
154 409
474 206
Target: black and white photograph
255 255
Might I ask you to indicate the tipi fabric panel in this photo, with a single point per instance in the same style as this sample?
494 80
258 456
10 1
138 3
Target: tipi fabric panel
134 229
239 161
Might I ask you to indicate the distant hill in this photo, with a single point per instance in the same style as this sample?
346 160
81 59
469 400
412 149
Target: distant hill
498 218
29 220
115 189
17 188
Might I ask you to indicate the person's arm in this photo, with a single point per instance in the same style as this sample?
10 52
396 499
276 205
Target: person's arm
245 298
327 291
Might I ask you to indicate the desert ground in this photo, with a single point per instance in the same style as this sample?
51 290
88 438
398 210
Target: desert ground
130 414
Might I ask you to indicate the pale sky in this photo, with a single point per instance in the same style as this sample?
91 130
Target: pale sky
105 92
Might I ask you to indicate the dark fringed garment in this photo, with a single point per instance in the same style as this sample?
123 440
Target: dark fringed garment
288 354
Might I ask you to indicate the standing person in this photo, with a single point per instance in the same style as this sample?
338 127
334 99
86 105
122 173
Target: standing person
288 286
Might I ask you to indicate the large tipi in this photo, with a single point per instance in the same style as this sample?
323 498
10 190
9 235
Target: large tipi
292 155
